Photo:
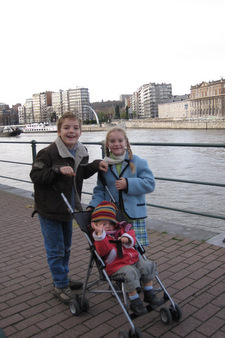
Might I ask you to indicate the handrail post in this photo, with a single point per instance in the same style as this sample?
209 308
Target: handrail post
34 152
103 149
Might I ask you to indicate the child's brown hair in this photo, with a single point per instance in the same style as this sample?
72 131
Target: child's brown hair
67 115
122 131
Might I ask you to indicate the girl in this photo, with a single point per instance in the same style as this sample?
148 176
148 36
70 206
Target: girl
129 179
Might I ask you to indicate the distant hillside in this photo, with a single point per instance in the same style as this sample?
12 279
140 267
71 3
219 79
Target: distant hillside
106 105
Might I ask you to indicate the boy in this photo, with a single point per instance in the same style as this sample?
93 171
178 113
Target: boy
130 266
61 167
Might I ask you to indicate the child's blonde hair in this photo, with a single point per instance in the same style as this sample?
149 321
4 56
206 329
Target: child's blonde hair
67 115
122 131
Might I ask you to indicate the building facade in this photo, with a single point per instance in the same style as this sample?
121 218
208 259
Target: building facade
49 106
208 99
79 102
178 107
22 114
41 104
145 101
29 112
57 103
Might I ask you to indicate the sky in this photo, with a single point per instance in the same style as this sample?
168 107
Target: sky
110 47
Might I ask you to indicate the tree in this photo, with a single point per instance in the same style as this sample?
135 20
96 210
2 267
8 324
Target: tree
117 112
53 117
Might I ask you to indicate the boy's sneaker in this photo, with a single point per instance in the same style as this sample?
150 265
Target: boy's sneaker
151 298
73 284
64 294
137 307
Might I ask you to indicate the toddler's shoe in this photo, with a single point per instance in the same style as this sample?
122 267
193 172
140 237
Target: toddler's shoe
137 307
151 298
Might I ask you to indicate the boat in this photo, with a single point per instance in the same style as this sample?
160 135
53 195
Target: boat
9 131
40 128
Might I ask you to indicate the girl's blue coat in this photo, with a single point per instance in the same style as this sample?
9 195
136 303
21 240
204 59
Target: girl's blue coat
132 200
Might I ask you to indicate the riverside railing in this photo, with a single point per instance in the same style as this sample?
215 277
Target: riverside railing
157 144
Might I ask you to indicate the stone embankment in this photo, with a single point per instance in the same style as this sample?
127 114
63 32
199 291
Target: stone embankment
160 124
180 124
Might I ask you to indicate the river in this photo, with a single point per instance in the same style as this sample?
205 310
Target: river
197 164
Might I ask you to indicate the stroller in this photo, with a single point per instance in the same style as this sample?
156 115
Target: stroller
115 285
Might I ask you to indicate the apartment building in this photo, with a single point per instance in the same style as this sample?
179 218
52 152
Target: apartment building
145 101
22 114
208 99
41 102
49 106
79 102
57 105
73 100
60 102
29 113
134 104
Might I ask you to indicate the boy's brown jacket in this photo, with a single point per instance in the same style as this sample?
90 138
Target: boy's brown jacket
49 182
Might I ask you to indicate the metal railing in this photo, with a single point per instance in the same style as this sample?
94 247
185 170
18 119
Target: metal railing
200 145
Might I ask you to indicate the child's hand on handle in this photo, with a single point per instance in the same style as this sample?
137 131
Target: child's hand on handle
68 171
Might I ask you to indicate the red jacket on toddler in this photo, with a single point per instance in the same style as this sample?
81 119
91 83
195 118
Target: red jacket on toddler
109 251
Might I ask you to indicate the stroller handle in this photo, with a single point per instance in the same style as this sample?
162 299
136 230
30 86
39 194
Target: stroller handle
67 203
102 179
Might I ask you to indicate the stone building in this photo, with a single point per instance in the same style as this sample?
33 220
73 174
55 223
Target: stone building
208 99
177 107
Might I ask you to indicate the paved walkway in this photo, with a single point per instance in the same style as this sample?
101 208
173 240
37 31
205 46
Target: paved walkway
193 272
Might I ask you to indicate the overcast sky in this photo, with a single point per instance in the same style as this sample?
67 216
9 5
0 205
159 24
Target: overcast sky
109 47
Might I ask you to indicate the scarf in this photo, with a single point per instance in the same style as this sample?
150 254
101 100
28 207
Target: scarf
114 159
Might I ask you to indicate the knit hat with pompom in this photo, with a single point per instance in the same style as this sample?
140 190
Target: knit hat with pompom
104 211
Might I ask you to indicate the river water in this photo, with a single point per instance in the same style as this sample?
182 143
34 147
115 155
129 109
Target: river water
191 163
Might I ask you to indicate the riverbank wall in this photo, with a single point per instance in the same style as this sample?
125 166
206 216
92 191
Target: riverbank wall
180 124
159 124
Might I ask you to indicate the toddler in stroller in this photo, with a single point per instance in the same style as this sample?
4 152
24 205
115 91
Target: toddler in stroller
112 249
115 243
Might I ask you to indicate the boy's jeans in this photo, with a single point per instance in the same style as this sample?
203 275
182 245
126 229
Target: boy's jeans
57 240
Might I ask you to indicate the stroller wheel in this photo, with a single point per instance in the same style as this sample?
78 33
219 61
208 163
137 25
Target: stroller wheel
165 315
176 313
74 307
136 334
123 334
85 305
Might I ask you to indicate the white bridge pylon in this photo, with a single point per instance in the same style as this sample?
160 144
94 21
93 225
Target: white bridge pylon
95 114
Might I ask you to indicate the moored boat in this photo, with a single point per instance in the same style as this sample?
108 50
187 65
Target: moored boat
9 131
40 128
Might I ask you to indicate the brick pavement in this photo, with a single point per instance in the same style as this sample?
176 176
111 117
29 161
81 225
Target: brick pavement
192 271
